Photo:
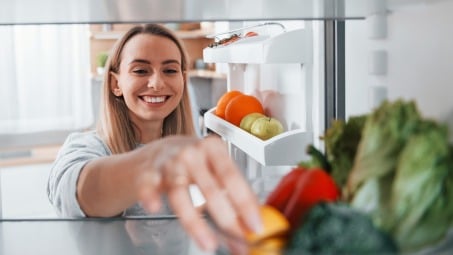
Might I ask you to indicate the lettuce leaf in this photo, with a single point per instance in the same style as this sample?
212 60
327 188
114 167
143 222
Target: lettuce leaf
384 135
422 190
403 175
341 141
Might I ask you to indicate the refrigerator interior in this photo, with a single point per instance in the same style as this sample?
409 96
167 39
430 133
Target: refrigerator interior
391 51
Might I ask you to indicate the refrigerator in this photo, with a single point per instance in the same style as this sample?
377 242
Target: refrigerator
313 61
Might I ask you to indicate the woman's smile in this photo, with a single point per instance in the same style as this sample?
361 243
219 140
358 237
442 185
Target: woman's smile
154 99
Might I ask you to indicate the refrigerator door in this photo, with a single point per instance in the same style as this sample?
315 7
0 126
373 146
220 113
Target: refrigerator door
284 69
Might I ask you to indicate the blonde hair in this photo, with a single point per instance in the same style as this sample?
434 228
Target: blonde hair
115 126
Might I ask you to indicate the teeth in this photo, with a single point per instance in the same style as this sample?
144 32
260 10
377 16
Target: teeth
150 99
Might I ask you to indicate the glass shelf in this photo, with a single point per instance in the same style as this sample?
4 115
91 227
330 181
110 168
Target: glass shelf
140 11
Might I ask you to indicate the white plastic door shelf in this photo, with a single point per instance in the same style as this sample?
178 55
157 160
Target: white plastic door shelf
287 148
287 47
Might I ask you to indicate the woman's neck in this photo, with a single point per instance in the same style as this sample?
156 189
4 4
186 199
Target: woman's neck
150 132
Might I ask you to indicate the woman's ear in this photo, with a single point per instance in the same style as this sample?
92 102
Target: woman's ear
184 77
116 90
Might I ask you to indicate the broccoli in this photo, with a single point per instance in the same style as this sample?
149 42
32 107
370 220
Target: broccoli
336 228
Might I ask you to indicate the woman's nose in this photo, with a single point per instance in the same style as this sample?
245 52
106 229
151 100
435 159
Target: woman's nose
155 82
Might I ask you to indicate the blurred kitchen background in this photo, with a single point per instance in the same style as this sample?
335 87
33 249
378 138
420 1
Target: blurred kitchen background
51 78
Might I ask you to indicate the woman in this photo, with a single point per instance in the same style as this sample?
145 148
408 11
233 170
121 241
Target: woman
144 153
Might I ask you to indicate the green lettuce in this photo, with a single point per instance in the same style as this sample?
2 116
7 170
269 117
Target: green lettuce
385 133
341 142
403 175
422 191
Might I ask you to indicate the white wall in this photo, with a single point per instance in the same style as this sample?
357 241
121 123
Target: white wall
419 48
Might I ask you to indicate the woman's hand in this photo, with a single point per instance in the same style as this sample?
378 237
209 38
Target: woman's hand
206 163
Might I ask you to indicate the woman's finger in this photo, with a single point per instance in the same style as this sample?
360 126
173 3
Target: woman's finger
238 189
149 188
191 220
217 201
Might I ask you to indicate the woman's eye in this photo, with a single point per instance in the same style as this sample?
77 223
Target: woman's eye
170 71
140 71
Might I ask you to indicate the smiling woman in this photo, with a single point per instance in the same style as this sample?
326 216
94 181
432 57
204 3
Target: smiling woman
144 155
45 79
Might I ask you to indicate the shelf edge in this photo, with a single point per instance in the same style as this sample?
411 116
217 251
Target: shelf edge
287 148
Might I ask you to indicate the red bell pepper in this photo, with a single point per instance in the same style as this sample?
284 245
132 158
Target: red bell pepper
300 190
313 187
282 193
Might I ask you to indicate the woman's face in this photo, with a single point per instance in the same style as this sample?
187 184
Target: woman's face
150 78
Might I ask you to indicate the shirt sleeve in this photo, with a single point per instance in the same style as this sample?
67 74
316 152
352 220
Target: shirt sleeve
77 150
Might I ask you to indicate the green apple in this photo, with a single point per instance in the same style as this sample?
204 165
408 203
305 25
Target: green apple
266 127
247 120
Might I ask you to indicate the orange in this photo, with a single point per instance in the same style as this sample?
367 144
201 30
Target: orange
271 246
240 106
275 225
223 102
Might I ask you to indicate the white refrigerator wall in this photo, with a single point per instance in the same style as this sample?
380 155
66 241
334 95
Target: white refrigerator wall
403 53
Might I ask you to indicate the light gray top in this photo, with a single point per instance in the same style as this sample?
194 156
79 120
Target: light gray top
78 149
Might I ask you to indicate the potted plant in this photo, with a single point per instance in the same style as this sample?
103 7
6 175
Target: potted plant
101 59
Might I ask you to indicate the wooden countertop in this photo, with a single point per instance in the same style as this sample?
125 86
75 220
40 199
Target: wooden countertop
26 156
